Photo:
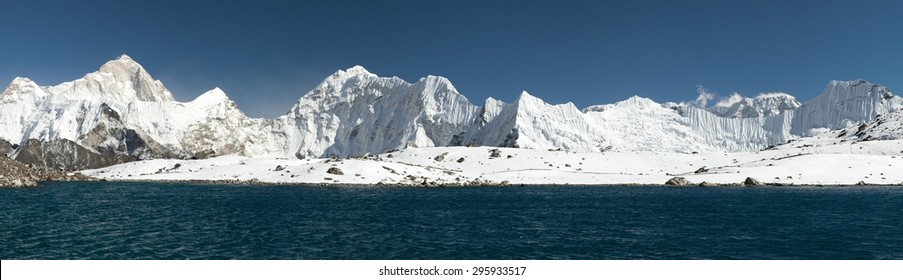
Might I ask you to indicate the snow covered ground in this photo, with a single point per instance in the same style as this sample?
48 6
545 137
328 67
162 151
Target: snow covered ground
808 161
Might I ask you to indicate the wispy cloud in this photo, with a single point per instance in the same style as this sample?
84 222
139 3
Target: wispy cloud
704 97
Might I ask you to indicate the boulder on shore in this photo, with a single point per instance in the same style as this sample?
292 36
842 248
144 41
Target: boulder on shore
335 171
750 181
677 181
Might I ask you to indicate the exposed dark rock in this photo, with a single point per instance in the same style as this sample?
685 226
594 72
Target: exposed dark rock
64 154
750 181
494 153
440 157
511 139
335 171
701 170
5 148
460 160
16 174
125 141
707 184
279 168
205 154
677 181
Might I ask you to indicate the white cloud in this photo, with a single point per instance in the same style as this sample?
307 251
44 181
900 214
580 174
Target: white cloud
729 101
704 97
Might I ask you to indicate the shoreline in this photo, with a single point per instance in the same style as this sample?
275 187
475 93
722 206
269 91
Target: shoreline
487 184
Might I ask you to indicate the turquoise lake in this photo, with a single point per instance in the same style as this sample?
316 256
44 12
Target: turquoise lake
93 220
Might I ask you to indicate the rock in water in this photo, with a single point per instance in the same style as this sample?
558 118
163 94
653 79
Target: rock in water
677 181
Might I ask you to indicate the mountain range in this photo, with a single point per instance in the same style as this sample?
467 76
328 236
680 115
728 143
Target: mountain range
120 113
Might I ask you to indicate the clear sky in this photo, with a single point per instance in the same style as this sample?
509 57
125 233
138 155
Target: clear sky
266 54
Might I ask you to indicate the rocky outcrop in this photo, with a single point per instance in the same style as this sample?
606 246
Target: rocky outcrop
111 137
64 154
707 184
750 181
678 181
5 148
335 171
17 175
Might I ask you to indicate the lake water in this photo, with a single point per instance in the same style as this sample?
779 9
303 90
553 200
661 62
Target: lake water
176 221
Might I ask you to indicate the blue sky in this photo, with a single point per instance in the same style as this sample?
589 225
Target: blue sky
266 54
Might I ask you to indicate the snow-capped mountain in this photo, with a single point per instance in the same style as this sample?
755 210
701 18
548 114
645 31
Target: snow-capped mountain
120 113
122 110
354 112
763 105
531 123
843 104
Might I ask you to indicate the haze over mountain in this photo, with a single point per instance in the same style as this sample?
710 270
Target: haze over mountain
120 113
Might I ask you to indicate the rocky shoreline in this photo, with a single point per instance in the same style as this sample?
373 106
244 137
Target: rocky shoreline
14 174
471 184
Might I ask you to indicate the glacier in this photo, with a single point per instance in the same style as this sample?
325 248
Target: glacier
121 113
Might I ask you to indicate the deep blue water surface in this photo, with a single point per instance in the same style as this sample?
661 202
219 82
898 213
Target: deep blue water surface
176 221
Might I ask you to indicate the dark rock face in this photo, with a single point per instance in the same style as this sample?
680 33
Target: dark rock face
65 154
125 141
205 154
15 174
5 148
109 142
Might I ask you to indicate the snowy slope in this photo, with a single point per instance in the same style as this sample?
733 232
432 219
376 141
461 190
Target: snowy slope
531 123
843 104
817 162
636 124
885 127
354 112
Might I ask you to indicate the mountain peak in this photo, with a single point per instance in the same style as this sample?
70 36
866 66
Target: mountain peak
21 81
120 64
763 105
136 80
356 70
22 84
213 96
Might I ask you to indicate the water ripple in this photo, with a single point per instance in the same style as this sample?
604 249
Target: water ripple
171 221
